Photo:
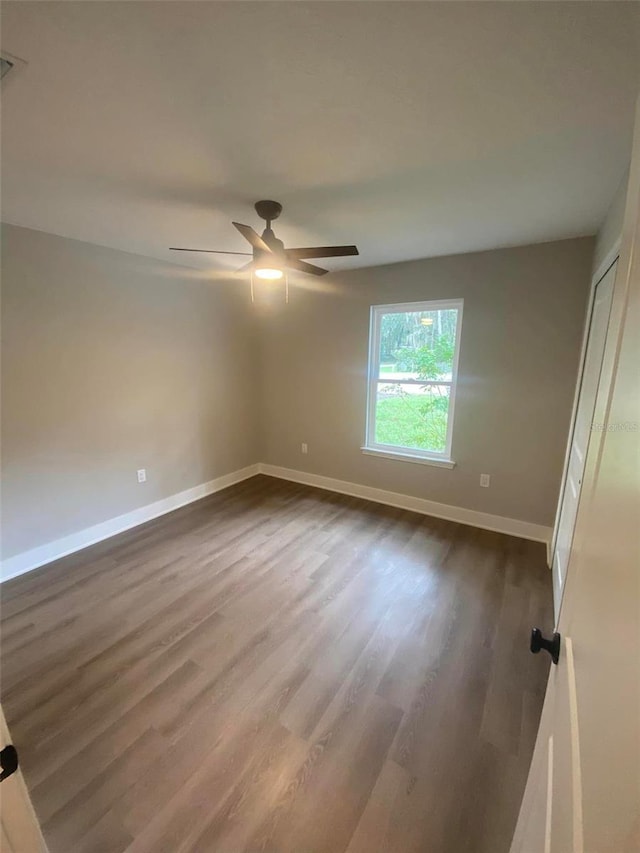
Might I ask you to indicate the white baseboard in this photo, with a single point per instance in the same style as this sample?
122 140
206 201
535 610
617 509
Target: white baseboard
36 557
497 523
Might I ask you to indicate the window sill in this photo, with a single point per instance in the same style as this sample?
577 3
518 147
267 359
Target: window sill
409 457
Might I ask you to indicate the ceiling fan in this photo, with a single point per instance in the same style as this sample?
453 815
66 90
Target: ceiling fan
269 256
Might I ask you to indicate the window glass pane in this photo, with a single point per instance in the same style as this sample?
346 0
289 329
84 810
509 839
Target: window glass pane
412 416
418 344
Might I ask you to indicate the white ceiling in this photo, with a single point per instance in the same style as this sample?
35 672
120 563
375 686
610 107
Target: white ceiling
411 129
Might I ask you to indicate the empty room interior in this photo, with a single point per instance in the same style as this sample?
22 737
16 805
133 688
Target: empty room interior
319 416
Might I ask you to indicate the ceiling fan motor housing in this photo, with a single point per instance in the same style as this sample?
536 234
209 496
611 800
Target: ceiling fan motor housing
272 242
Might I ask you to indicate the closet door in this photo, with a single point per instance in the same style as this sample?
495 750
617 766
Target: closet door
583 431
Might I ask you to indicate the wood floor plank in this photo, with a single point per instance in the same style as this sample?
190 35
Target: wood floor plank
278 668
372 831
81 769
325 799
79 814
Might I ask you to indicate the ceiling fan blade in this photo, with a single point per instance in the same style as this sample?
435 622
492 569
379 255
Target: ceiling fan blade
323 252
252 236
208 251
293 264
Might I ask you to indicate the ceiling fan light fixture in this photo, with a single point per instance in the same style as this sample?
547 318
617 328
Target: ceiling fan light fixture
269 273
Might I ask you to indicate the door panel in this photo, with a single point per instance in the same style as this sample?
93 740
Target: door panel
533 832
566 823
582 431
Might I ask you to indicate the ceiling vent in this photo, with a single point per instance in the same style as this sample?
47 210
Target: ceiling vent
9 63
5 66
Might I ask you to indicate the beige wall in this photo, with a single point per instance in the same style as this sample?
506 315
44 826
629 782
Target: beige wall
521 334
113 362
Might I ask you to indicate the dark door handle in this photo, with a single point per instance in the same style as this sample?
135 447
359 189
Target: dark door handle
539 642
8 761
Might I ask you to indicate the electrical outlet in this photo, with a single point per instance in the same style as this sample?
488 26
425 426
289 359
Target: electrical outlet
304 447
142 475
485 480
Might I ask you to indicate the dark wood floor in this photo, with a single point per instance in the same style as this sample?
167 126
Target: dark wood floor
277 668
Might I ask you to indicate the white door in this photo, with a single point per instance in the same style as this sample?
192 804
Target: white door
582 430
583 793
19 828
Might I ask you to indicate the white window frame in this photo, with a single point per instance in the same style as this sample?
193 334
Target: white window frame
409 454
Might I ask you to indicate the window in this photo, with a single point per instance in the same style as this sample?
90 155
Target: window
413 365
